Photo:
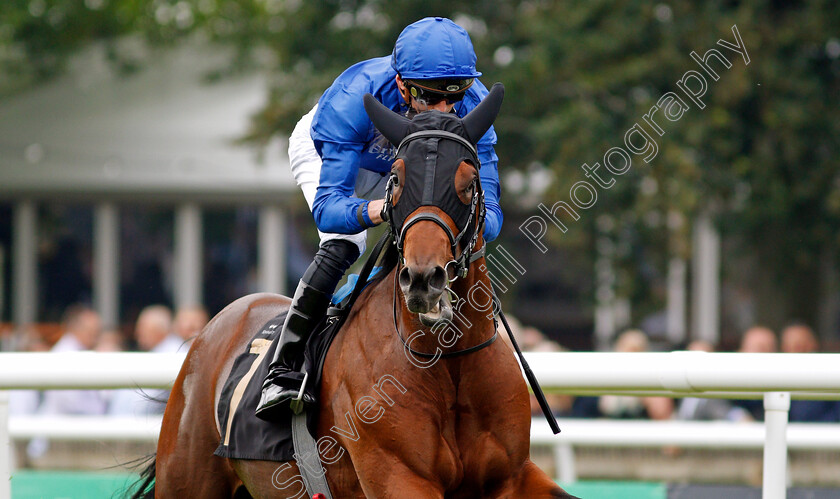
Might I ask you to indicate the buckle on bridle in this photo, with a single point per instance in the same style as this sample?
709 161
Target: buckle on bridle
463 270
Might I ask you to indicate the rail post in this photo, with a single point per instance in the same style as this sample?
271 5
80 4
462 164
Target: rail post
5 448
564 462
774 481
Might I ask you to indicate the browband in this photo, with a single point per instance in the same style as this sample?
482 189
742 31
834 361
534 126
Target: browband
438 134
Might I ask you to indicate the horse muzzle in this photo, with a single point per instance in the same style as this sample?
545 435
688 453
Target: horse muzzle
424 293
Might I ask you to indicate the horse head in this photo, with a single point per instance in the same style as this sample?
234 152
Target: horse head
434 201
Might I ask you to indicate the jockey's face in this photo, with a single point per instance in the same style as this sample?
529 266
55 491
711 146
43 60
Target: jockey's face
422 106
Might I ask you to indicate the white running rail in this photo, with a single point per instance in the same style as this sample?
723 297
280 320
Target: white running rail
775 377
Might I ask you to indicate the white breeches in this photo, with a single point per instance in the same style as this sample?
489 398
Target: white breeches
306 167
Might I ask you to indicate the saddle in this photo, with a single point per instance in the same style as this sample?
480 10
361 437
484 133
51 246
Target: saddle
244 436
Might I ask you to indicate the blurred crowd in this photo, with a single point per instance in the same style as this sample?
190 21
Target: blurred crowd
797 337
157 329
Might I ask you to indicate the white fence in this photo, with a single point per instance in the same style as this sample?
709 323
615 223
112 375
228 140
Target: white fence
775 377
683 434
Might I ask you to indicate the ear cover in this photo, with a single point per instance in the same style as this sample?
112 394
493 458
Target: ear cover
480 119
392 126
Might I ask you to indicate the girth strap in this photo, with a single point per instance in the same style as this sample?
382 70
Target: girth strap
306 454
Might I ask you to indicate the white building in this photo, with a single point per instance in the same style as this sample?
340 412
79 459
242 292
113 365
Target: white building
93 150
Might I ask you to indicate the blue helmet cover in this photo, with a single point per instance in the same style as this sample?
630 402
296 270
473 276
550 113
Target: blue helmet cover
433 48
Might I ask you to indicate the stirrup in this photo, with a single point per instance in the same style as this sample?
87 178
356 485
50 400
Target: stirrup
297 405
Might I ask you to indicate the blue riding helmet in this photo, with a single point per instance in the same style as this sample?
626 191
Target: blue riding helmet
434 48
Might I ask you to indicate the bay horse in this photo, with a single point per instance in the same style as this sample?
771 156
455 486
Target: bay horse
442 413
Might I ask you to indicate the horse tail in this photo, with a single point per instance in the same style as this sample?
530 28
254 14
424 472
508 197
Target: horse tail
144 487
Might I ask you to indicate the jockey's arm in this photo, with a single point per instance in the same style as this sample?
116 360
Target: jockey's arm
375 210
336 209
489 174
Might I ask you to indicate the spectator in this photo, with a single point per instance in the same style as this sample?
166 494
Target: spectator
561 404
27 402
757 339
189 321
527 337
153 330
707 409
153 333
531 339
110 340
799 338
620 406
82 327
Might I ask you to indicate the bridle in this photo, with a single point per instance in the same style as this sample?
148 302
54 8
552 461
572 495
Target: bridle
476 216
475 222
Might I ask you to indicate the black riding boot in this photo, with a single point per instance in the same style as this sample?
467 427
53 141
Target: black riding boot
312 297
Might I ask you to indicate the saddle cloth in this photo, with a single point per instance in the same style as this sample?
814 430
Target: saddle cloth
245 436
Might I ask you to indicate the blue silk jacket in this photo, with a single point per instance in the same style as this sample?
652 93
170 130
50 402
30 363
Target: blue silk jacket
346 140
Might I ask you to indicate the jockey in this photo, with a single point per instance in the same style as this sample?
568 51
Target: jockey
341 163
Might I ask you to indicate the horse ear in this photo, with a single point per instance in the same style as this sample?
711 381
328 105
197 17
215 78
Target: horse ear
392 126
480 119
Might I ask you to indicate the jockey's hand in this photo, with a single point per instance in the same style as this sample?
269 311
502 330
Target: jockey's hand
375 211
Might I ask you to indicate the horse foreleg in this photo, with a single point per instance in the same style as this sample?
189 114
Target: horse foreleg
535 483
382 475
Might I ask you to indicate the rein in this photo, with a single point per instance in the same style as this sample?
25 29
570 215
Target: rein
442 355
529 374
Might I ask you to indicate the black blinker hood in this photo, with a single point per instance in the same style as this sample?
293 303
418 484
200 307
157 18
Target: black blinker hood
433 156
430 167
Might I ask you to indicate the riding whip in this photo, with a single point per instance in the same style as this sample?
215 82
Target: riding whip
529 374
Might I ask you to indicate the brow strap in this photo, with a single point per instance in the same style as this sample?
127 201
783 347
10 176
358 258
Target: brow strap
439 134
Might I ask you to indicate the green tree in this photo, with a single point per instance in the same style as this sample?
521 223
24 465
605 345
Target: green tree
762 155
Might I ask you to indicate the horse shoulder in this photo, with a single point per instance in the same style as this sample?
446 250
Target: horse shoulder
494 425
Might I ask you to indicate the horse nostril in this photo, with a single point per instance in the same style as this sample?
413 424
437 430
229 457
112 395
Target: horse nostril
405 277
437 278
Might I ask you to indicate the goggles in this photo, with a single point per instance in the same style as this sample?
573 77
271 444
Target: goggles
434 91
